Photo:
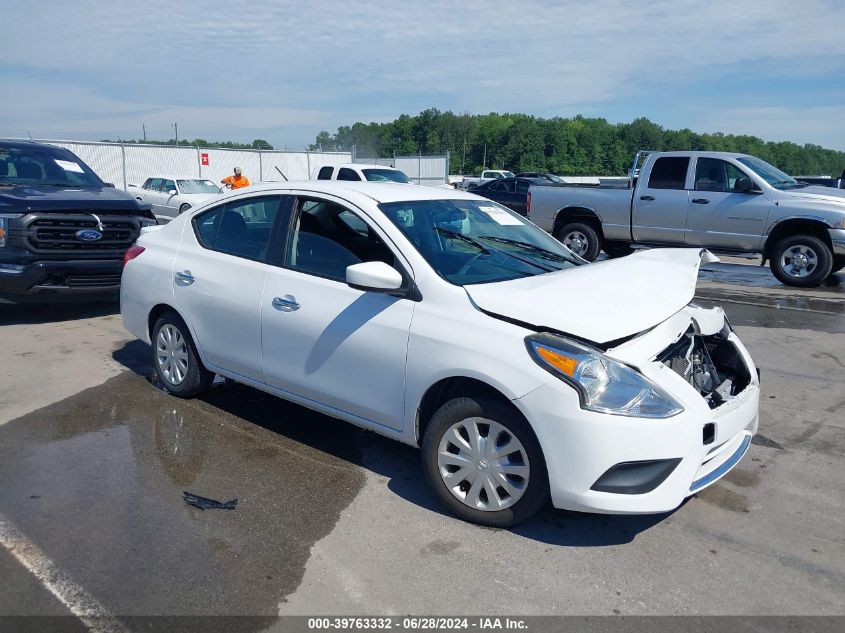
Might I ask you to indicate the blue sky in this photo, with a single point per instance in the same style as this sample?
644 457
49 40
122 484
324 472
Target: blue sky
285 70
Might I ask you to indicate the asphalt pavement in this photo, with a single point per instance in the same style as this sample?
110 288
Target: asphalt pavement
331 519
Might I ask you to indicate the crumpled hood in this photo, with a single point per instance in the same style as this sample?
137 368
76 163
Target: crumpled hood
814 192
599 302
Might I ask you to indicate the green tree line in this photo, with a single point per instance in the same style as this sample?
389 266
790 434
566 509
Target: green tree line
201 142
575 146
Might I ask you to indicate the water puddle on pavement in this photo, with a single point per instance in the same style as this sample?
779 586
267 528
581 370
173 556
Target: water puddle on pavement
96 481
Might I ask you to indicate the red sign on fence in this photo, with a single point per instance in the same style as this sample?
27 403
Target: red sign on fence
204 159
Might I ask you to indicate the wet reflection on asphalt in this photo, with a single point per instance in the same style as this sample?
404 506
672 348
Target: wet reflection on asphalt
97 479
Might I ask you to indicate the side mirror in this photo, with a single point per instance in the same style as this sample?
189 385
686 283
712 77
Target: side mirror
111 184
373 276
744 185
172 192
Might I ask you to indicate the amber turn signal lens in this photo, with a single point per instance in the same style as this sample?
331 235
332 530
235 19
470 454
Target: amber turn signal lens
558 361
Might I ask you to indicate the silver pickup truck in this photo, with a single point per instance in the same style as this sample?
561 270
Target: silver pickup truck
729 203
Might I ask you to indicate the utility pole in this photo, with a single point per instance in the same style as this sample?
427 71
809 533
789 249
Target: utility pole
144 128
176 132
485 157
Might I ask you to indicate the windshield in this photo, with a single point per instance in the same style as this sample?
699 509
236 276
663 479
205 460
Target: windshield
385 175
554 178
475 241
198 186
44 166
771 174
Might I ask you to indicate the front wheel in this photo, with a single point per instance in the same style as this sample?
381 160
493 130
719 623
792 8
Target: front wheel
484 462
801 260
176 360
184 208
580 238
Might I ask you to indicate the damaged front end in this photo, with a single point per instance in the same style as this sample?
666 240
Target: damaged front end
711 364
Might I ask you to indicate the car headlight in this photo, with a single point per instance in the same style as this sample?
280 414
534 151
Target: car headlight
604 385
4 225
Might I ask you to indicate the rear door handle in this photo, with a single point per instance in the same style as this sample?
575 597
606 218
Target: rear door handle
700 201
185 278
647 198
285 304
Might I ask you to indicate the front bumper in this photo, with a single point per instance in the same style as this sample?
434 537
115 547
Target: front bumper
700 445
837 240
46 278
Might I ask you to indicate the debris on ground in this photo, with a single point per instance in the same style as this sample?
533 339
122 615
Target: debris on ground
204 503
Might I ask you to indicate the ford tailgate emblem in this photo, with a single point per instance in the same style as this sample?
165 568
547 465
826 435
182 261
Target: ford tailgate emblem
88 235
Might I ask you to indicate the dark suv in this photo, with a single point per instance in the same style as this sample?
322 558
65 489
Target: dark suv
63 231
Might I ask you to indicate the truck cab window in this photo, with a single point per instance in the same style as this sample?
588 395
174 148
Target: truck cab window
325 173
712 174
669 172
347 174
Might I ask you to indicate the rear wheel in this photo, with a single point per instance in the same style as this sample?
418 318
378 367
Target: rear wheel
176 360
582 239
484 463
801 260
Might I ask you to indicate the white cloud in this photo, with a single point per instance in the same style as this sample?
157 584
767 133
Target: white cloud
370 59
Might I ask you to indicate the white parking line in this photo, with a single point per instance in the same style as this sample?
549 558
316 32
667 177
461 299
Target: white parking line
83 605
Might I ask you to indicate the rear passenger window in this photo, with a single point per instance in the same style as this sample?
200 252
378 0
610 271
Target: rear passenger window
669 172
241 228
347 174
522 186
325 173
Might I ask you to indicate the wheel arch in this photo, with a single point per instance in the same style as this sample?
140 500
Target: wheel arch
160 308
580 213
795 226
453 387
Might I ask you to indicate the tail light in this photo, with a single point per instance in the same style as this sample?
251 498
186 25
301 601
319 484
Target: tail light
528 204
131 253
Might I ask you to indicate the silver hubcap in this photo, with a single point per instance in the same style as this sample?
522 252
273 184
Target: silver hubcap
799 261
172 354
577 242
483 464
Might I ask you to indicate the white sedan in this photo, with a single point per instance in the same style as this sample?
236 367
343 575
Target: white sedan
446 321
171 196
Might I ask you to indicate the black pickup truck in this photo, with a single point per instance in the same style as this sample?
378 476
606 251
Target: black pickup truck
63 231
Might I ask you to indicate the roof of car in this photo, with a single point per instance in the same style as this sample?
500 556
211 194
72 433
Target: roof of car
24 144
378 191
363 166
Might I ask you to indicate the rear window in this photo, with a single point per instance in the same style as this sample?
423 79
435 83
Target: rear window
669 172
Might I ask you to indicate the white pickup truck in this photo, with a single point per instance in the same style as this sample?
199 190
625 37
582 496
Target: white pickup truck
486 176
354 172
730 203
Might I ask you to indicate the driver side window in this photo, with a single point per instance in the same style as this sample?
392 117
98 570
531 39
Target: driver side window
328 237
713 174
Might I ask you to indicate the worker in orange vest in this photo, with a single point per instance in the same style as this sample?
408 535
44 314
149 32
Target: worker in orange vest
237 180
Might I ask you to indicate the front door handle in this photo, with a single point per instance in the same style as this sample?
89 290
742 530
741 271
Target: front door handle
185 278
700 201
285 304
647 198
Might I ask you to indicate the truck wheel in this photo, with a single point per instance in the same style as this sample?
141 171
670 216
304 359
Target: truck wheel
484 463
801 260
580 238
617 249
838 263
176 360
184 208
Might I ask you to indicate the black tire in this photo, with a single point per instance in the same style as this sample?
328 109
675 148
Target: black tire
460 409
575 232
819 268
196 377
184 208
838 263
617 249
